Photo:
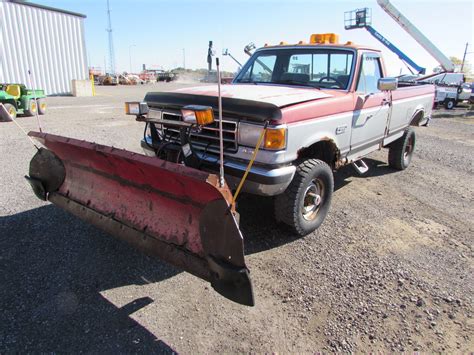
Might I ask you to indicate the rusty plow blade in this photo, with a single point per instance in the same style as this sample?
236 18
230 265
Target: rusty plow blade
176 213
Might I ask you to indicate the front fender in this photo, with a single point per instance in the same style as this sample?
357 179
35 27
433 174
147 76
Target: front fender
336 129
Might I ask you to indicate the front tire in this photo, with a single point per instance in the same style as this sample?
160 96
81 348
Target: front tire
305 203
11 110
401 151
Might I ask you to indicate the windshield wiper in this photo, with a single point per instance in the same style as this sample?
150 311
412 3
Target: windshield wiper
247 82
298 83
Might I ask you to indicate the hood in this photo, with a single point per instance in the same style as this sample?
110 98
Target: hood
279 96
249 102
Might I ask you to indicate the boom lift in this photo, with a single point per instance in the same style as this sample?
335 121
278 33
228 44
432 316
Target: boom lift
362 18
446 93
416 34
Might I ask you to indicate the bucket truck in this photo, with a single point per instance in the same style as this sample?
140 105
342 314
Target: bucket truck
449 85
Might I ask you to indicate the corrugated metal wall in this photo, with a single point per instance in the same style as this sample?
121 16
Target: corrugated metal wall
51 44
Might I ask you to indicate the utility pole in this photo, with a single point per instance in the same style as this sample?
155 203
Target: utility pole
184 58
464 57
111 42
130 55
209 56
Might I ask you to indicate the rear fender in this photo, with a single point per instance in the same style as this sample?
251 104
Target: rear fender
418 116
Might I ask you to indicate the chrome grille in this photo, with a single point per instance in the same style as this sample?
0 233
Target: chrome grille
208 138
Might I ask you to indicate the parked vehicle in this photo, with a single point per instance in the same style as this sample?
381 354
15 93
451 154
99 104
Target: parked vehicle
148 76
211 77
471 97
18 100
108 79
465 93
449 88
292 116
449 79
130 79
166 76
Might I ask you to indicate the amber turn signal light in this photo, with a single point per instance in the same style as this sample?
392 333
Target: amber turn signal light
202 115
275 138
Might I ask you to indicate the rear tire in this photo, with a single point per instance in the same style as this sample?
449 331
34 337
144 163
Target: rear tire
11 110
305 203
401 151
41 106
32 108
449 104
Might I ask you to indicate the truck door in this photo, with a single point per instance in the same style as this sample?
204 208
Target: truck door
371 108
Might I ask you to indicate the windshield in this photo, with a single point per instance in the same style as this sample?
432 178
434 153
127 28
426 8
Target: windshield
318 68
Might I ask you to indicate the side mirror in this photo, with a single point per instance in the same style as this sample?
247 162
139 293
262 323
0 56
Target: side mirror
387 84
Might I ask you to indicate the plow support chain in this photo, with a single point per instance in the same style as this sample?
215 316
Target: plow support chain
168 210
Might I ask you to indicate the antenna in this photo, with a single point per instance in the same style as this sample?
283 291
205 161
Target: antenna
221 134
226 52
111 42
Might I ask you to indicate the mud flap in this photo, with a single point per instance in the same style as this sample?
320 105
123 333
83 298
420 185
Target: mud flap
168 210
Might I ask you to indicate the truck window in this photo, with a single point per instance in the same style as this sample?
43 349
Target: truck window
261 70
340 67
324 68
370 73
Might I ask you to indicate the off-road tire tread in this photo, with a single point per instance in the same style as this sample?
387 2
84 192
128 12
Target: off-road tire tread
396 150
38 106
7 107
286 210
28 112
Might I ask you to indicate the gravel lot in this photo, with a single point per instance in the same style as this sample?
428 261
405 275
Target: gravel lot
391 269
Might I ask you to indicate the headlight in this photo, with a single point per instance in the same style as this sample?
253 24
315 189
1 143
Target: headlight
136 108
275 138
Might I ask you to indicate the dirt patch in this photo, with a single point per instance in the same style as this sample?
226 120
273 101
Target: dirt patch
391 269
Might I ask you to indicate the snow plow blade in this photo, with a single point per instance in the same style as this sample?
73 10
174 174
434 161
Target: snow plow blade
168 210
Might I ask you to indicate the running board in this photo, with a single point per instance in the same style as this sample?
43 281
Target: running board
360 166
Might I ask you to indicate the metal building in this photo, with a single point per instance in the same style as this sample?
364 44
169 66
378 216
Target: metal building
46 41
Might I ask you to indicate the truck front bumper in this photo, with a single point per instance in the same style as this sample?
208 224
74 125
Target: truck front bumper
262 180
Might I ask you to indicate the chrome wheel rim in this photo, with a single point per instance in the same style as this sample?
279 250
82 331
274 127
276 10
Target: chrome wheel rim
312 199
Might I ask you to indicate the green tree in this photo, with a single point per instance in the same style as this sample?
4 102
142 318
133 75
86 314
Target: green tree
458 62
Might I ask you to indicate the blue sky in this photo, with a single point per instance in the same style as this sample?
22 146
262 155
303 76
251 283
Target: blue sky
160 29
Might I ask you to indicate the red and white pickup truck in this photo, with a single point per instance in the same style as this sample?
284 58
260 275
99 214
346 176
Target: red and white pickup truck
324 104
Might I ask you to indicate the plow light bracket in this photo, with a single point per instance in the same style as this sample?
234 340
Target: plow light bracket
136 108
201 115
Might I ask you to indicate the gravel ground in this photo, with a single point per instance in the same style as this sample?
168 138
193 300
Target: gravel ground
391 269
